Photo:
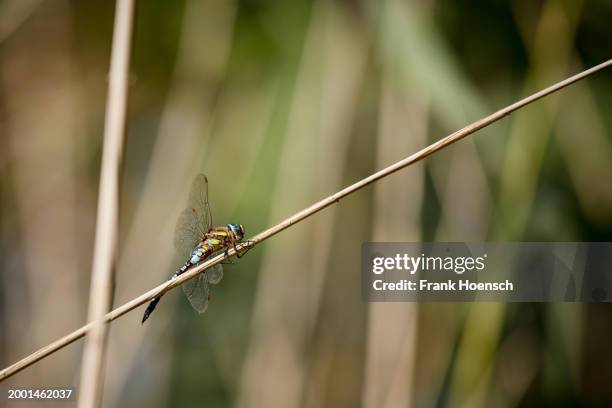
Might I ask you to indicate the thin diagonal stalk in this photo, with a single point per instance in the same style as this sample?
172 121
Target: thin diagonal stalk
301 215
107 223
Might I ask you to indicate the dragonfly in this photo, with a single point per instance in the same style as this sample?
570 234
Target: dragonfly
196 240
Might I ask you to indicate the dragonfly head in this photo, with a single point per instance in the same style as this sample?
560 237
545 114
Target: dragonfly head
237 230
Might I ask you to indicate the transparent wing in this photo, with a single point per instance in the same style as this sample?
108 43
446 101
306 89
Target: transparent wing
197 289
187 233
195 220
215 274
198 199
197 292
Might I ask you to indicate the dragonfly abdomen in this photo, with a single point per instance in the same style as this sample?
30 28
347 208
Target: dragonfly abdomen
153 303
182 269
202 252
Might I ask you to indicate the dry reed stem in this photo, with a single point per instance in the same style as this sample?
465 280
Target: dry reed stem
107 223
326 202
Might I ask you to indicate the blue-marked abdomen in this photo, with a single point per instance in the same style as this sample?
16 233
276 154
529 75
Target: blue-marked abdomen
199 254
196 256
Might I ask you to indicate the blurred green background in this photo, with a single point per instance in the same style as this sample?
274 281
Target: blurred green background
281 104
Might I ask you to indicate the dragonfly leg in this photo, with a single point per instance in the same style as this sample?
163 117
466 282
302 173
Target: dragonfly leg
247 250
227 260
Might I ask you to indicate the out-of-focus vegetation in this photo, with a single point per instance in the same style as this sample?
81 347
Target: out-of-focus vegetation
281 103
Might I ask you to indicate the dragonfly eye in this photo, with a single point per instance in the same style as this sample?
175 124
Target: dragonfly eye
237 230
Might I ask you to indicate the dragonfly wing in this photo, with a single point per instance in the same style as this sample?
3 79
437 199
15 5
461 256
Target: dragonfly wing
197 292
198 200
187 234
215 274
195 220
